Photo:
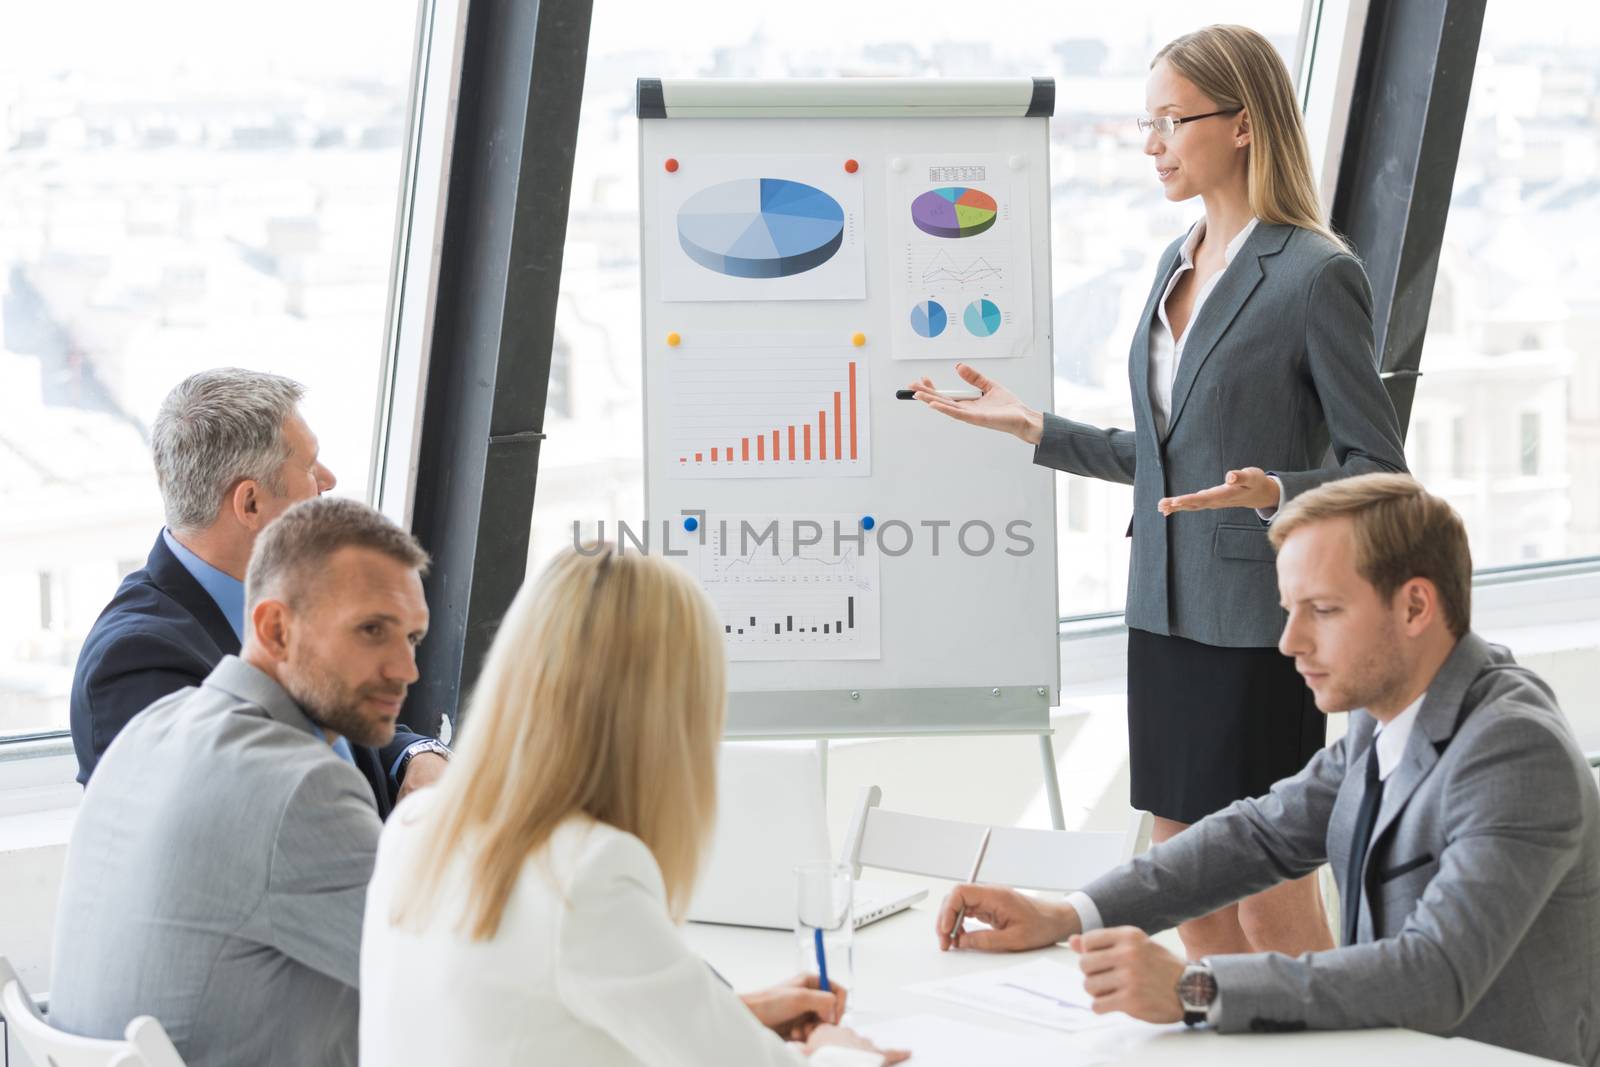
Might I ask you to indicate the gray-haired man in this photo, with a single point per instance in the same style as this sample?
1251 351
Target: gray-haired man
232 452
218 870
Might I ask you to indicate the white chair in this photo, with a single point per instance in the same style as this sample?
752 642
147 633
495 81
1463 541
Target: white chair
1056 860
145 1043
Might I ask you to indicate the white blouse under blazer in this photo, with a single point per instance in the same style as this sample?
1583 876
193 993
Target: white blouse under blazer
586 968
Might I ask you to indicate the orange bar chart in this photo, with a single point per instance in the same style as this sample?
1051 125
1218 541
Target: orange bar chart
726 404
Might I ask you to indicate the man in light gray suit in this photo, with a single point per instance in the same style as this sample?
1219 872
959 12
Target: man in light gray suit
1457 812
217 874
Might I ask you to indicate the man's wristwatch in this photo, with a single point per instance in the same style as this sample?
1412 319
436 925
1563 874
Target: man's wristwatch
429 745
1197 989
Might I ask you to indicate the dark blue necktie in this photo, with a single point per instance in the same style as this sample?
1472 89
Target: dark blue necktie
1366 818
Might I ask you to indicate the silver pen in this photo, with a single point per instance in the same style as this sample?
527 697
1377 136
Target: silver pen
977 862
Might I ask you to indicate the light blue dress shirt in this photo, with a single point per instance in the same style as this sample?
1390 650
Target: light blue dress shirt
228 592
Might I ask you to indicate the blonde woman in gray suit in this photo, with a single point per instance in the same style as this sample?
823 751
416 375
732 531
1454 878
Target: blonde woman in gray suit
1253 356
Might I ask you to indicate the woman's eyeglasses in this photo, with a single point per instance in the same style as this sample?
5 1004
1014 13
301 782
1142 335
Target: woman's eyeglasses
1167 125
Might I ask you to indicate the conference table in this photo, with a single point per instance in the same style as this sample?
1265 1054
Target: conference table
900 951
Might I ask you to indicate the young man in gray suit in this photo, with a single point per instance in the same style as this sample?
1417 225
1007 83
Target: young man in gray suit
218 871
1457 812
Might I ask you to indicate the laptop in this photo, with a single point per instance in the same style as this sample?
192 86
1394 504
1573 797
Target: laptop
772 818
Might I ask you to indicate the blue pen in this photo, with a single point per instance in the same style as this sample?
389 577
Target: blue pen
822 963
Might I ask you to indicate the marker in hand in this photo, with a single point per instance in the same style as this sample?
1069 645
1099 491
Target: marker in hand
942 394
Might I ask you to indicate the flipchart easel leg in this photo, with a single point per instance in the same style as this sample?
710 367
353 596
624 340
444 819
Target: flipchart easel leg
1052 785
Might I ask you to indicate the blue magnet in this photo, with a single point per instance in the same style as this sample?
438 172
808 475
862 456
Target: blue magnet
691 524
868 522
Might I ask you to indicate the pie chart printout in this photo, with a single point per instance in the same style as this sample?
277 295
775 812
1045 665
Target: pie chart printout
982 318
929 318
761 227
954 211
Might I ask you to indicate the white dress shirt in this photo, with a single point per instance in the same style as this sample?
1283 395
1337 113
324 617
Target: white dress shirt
1390 738
587 967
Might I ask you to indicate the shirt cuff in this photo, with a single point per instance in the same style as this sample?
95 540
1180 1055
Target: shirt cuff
394 768
1266 515
1214 1009
1088 914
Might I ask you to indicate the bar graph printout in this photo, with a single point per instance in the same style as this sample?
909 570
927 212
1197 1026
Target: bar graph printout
742 406
786 588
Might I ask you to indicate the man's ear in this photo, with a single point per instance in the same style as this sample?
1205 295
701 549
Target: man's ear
245 503
1419 605
270 622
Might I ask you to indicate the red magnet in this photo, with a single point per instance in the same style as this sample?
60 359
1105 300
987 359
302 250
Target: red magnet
851 166
672 166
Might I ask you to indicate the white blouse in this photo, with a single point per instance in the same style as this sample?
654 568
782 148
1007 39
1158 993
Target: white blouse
586 968
1164 354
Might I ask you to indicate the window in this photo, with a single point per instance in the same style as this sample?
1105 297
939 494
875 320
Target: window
215 186
1110 219
1418 440
1529 437
1512 352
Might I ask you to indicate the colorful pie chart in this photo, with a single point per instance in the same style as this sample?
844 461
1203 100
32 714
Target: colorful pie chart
954 211
760 227
929 318
982 318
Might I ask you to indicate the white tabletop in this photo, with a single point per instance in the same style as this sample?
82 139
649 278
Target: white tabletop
901 950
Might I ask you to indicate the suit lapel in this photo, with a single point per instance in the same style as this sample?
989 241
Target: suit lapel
1141 336
1238 281
1437 721
1347 806
172 578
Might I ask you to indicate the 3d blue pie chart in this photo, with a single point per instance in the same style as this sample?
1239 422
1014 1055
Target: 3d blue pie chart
761 227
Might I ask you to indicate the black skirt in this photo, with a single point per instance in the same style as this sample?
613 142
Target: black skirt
1208 725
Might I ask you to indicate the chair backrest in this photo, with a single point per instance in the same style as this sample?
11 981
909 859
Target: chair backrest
144 1044
944 848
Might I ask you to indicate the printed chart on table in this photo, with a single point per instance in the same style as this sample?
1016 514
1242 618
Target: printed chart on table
963 280
1043 992
787 587
771 406
761 228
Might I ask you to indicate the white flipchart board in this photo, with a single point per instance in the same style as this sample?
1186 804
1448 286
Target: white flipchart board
966 639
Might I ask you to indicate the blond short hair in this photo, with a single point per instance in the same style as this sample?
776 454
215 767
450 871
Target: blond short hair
291 554
1401 531
604 695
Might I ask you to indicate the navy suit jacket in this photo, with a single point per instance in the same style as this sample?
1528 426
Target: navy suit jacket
161 633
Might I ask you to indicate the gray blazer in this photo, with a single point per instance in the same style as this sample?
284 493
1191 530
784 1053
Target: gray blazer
1278 363
1480 900
216 879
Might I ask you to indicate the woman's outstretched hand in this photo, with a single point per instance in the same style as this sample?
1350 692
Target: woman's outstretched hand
997 409
1248 488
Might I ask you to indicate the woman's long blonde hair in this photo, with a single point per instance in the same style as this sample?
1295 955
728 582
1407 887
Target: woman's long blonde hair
603 694
1237 67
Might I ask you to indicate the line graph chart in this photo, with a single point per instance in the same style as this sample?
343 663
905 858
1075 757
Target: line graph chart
944 272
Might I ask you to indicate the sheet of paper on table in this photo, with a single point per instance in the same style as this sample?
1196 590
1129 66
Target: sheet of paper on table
1042 992
938 1042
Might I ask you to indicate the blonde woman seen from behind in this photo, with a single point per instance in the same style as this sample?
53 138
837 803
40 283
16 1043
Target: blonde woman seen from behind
526 910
